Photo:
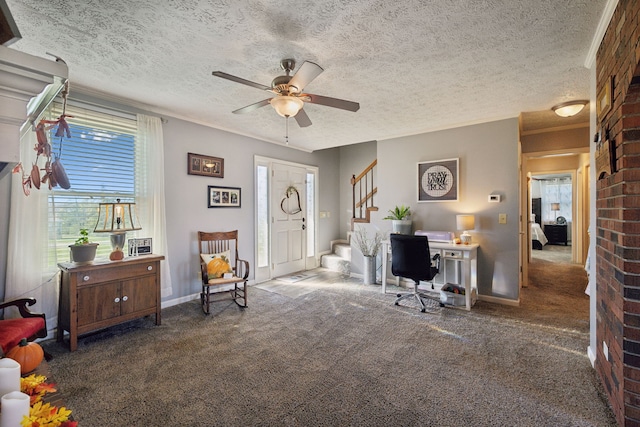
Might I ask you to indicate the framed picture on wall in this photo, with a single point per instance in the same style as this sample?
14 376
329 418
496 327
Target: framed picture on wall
603 101
223 197
198 164
438 181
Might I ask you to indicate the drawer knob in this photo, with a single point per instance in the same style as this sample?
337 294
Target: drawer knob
150 267
86 278
124 298
117 300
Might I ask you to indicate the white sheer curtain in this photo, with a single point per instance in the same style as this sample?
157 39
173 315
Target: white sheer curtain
150 198
27 272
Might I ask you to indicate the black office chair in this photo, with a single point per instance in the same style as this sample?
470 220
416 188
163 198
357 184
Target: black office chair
411 258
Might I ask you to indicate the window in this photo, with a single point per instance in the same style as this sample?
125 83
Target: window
99 159
262 210
557 191
311 214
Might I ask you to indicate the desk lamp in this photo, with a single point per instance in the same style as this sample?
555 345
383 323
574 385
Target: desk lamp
117 218
465 223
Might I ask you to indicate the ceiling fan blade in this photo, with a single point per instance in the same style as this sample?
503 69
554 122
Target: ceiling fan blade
240 80
252 107
305 74
302 119
331 102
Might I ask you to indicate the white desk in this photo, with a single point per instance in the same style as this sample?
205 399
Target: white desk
465 257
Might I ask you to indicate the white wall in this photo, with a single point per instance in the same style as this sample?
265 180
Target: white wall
488 156
186 195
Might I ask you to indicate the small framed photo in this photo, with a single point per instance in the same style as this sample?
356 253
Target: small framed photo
224 197
438 181
198 164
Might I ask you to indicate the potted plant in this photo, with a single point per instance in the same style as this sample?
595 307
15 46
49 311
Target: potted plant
369 246
399 222
83 251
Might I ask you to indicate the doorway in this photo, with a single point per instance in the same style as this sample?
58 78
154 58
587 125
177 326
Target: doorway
285 211
552 207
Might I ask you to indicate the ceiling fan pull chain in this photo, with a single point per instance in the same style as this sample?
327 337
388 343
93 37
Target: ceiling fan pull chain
286 138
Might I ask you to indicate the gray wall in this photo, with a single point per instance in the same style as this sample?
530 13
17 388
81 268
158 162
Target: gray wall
186 195
353 160
488 162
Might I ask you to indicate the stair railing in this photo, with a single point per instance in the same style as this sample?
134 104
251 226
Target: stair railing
363 189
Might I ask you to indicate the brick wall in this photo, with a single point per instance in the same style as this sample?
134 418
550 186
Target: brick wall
618 217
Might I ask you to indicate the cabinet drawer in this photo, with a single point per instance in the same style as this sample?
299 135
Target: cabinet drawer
112 274
453 254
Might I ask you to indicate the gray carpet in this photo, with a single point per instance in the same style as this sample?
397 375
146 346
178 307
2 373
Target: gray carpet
340 355
553 253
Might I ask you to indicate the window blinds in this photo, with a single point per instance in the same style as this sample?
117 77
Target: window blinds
99 159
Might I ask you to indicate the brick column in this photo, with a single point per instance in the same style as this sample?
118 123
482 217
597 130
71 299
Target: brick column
618 217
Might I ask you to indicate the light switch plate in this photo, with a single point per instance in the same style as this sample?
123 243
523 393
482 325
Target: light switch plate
502 218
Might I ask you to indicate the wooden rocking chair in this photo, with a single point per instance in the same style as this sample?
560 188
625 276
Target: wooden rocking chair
221 266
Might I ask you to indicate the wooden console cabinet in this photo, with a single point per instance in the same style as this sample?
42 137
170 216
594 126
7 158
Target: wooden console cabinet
105 293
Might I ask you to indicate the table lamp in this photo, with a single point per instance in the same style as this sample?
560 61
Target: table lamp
465 223
555 207
117 218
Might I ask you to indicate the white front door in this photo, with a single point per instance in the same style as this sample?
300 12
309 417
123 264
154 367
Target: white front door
288 224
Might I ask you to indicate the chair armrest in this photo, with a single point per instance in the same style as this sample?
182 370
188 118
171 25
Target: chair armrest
21 304
242 268
435 262
203 273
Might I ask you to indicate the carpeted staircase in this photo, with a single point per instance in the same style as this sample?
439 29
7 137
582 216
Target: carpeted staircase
340 257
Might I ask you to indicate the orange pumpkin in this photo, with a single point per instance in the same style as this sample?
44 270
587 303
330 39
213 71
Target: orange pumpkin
27 354
218 266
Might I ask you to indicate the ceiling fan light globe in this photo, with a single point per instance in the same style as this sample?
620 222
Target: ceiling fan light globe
287 106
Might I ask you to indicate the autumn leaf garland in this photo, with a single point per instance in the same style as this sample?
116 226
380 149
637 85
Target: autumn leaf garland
43 414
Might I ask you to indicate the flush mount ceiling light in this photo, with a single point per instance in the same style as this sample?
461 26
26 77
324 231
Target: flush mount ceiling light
568 109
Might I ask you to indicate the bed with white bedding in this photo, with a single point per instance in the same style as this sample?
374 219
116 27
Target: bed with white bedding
538 238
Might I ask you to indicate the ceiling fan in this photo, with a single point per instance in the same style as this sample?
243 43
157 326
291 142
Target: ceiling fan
289 99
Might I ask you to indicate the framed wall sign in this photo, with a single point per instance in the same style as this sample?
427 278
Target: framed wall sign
198 164
438 181
224 197
603 100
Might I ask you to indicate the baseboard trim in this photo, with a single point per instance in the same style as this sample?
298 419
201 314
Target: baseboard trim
187 298
498 300
592 356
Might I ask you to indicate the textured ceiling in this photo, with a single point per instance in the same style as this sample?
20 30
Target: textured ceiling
414 66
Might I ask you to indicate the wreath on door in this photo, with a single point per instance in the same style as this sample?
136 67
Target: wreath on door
291 190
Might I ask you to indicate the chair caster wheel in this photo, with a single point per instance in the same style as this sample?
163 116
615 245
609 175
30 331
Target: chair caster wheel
441 305
396 303
423 310
398 295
